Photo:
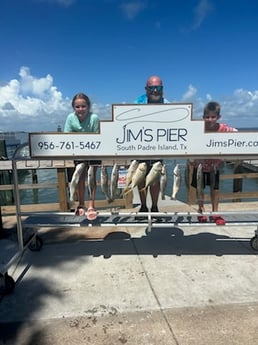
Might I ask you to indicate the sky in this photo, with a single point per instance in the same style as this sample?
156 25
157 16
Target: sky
204 50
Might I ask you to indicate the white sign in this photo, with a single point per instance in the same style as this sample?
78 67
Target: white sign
146 131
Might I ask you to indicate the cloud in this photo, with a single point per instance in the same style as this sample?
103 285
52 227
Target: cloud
244 104
132 9
30 84
201 12
33 103
190 93
238 109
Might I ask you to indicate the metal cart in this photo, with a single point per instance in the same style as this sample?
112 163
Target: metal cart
37 220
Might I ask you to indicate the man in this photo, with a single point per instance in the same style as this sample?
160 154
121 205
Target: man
154 94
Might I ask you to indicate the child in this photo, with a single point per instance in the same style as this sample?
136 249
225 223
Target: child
83 120
210 167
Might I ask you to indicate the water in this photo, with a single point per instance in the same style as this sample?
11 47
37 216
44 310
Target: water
14 141
40 196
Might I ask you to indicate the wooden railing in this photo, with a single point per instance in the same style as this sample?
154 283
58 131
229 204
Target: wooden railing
237 194
61 185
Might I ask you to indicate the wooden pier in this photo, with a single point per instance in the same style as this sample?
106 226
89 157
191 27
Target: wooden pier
251 165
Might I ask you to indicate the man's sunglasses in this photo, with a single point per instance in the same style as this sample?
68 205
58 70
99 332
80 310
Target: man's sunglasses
155 87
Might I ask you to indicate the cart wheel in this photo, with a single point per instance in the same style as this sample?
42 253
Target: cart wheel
9 285
147 231
254 242
36 244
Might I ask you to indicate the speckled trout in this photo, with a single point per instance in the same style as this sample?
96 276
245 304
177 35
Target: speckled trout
131 170
113 182
163 181
75 180
91 179
104 182
199 188
176 181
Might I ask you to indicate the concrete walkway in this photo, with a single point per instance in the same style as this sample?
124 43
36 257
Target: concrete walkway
187 286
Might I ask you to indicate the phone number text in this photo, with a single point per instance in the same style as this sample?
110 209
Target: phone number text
69 145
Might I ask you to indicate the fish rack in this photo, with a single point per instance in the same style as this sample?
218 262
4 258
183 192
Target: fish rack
35 220
152 220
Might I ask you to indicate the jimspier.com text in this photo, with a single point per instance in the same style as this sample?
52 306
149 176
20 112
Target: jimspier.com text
232 143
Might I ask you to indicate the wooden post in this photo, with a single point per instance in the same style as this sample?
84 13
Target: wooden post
61 180
35 192
129 200
1 225
3 151
237 182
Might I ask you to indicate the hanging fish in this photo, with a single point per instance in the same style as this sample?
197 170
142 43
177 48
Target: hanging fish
212 175
91 180
199 188
187 173
104 182
153 175
113 182
138 176
75 180
163 181
131 170
176 181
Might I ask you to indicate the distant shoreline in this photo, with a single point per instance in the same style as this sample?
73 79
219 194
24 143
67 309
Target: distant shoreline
247 129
